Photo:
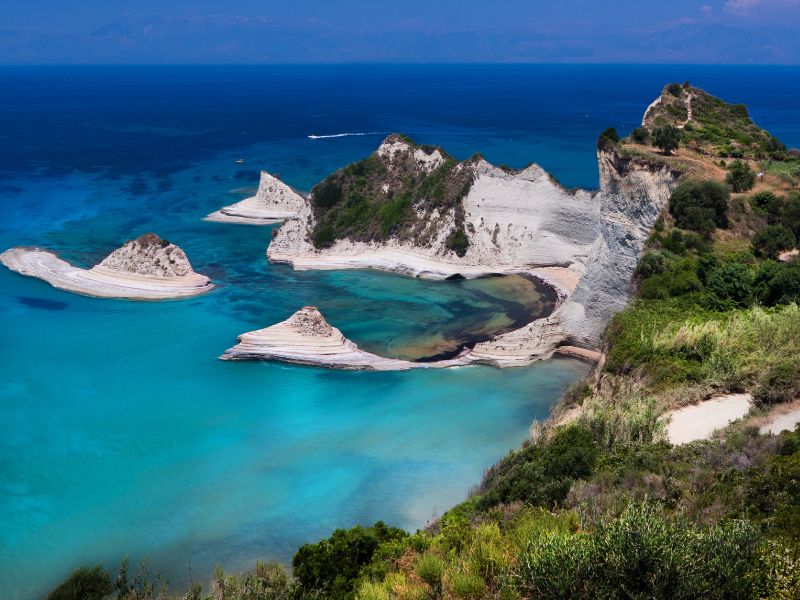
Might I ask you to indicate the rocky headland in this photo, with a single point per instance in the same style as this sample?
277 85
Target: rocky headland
146 268
413 210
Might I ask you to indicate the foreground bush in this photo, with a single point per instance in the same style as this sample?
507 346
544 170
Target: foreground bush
332 566
85 583
642 554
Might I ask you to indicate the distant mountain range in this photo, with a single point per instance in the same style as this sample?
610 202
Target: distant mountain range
245 39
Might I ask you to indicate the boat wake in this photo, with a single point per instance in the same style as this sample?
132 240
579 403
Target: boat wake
338 135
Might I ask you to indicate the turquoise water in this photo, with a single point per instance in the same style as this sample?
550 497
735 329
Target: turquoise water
123 433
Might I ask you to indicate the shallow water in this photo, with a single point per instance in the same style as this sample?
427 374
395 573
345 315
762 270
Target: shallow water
123 432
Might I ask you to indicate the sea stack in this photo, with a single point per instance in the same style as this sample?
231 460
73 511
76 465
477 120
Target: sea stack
306 338
274 202
146 268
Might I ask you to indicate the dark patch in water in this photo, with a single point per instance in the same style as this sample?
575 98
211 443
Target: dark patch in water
247 175
138 187
42 303
455 277
10 189
520 316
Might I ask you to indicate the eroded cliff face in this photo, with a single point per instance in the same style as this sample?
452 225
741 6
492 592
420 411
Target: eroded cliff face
632 195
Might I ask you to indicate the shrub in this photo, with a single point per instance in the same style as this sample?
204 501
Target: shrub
700 206
740 176
762 200
772 240
675 89
324 236
732 282
780 383
332 566
429 568
458 241
640 135
541 474
790 214
778 283
466 585
651 264
608 138
667 138
85 583
642 554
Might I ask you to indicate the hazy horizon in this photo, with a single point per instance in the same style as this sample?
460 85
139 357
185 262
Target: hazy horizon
356 31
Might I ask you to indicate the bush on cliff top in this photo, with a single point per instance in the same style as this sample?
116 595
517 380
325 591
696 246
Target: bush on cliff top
700 206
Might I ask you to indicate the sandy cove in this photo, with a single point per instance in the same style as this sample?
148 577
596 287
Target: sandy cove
144 269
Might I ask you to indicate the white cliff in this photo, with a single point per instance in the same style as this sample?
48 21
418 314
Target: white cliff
147 268
632 195
515 222
274 202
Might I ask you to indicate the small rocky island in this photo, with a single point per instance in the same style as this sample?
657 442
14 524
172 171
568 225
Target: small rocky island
146 268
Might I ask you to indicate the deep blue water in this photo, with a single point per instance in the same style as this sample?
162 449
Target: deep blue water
122 432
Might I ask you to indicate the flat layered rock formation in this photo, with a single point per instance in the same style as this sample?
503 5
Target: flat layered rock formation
306 338
147 268
274 202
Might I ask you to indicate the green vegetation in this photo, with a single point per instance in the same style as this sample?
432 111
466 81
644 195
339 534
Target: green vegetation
640 135
667 138
772 240
700 206
377 198
607 139
330 566
740 176
85 583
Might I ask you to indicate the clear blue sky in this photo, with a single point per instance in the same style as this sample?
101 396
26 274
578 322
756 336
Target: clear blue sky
251 31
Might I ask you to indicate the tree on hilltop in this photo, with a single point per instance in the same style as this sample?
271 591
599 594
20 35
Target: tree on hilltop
667 138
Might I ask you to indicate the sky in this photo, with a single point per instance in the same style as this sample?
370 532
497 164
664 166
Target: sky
342 31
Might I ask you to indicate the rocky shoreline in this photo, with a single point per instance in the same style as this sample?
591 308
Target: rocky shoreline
147 268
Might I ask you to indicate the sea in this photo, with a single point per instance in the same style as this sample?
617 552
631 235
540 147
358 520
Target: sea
124 435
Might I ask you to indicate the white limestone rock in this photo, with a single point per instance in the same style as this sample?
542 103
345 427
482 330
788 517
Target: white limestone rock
274 202
147 268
